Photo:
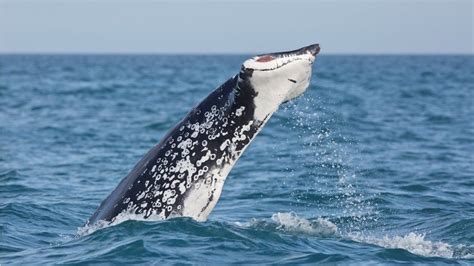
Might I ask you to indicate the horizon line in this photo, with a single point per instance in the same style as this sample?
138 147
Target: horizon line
236 53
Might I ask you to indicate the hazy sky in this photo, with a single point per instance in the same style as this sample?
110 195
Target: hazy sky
384 26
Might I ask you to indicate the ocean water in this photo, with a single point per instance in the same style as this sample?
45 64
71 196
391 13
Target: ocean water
373 165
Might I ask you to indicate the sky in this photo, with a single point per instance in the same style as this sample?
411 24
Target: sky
231 26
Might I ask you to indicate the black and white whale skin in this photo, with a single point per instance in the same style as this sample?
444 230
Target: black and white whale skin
183 175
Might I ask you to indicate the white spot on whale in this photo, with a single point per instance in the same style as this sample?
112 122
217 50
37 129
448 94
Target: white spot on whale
239 111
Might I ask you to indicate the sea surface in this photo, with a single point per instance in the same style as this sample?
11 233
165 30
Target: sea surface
374 164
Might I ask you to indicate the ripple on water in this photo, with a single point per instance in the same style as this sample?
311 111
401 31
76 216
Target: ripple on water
372 165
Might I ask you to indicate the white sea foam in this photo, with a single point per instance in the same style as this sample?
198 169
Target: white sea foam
122 217
89 229
290 222
416 244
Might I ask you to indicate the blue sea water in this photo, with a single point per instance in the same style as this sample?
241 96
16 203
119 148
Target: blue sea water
374 164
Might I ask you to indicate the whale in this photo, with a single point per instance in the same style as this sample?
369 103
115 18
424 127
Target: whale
183 175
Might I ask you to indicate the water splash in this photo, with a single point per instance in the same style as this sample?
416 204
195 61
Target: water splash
331 155
417 244
290 222
328 157
122 217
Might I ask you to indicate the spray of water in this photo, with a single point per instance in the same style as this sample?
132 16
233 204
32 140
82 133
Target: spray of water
351 214
327 158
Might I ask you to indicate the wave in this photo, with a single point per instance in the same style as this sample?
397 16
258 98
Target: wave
122 217
412 242
321 227
418 245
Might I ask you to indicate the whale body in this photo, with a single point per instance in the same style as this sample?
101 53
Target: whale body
183 175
